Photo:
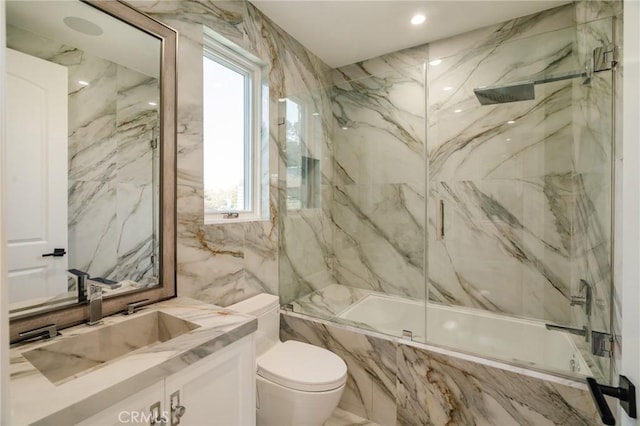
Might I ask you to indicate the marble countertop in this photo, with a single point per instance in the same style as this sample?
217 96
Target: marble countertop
34 399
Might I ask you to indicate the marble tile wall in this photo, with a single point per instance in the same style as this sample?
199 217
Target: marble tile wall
533 196
224 264
517 193
306 250
379 185
505 172
111 185
392 383
526 214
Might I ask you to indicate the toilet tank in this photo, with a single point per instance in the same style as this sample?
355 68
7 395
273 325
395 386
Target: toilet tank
266 307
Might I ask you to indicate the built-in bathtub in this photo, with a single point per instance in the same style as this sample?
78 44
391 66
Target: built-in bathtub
445 378
468 330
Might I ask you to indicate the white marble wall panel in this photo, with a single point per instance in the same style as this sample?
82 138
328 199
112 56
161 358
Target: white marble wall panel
227 263
497 250
436 389
378 199
587 11
495 35
475 150
305 260
137 122
135 231
306 251
92 227
392 383
379 242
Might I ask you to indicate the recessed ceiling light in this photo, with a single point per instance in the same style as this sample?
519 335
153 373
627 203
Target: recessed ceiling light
282 99
458 110
510 122
82 25
418 19
345 128
153 103
447 88
508 140
83 83
435 62
315 113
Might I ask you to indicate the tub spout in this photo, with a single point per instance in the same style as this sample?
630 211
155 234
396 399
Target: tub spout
584 331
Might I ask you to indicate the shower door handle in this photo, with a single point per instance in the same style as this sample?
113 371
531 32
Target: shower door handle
440 220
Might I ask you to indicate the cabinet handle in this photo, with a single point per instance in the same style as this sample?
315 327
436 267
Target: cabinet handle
157 418
177 410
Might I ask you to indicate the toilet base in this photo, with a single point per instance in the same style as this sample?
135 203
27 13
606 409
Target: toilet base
280 406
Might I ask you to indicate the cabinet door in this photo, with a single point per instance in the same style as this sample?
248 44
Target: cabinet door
218 390
135 409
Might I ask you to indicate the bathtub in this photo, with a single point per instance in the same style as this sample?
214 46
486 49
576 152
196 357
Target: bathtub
496 336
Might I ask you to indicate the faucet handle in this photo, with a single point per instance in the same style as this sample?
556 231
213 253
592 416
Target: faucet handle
131 307
588 296
47 331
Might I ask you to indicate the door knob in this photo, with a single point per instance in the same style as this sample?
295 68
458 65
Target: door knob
57 252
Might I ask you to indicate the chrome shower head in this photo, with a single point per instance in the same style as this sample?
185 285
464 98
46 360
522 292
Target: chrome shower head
512 92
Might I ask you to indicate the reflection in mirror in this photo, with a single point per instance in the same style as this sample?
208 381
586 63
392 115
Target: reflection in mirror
82 155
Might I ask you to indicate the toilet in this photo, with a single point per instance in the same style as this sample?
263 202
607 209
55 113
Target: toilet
297 384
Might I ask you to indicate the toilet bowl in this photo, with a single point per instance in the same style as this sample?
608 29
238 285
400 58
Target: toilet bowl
297 384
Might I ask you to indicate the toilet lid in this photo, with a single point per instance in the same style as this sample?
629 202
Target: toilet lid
303 367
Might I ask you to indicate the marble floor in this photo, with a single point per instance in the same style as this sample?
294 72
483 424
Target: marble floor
341 417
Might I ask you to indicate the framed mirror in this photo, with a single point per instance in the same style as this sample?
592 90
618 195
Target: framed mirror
90 163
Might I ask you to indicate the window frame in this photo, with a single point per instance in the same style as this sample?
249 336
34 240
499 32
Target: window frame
227 56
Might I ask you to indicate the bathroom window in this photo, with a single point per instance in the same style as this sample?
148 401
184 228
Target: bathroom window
231 126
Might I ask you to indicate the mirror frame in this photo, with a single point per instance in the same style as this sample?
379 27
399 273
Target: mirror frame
78 313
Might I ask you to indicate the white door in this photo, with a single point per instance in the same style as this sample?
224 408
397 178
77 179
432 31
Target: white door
35 176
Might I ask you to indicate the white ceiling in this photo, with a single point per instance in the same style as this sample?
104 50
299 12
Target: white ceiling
348 31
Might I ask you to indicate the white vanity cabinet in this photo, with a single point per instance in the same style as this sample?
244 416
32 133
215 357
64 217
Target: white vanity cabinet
218 390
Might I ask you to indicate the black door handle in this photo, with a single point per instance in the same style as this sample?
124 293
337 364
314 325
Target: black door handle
626 393
57 252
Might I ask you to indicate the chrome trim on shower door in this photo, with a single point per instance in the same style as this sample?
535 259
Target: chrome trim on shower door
440 220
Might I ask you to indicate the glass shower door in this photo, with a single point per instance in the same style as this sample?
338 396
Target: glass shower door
519 201
357 257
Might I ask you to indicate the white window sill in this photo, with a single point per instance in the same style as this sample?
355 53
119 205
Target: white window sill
217 219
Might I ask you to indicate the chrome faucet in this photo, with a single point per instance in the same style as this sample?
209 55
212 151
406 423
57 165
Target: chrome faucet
81 283
94 294
584 331
585 301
